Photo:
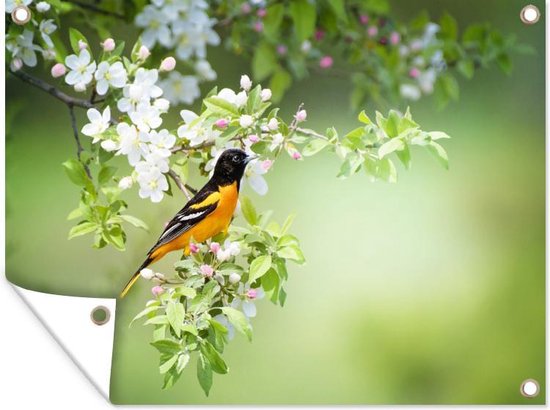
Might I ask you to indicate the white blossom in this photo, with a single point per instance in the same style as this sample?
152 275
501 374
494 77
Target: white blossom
22 47
156 30
246 121
132 142
47 27
146 117
126 183
276 141
194 131
110 75
246 83
180 88
205 71
254 175
162 142
82 68
12 4
99 122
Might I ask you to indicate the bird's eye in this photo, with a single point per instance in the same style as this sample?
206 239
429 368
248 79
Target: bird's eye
235 158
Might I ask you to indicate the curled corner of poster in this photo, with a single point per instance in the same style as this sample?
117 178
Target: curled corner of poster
68 319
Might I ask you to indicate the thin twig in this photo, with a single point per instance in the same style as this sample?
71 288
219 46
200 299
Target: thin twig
79 148
172 174
311 133
50 89
294 124
96 9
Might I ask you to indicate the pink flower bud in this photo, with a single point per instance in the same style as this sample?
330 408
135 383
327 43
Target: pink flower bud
193 248
326 62
363 19
282 49
108 45
215 247
395 38
258 27
16 64
251 293
296 155
319 35
266 164
246 8
414 72
261 13
143 53
207 271
372 31
82 45
157 291
301 116
222 123
168 64
253 138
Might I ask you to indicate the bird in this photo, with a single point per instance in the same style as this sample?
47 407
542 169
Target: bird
207 214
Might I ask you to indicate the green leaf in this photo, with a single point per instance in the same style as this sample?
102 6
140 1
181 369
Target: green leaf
437 135
314 146
271 283
339 9
204 374
505 63
82 229
74 37
216 361
138 223
279 83
259 267
145 312
248 211
395 144
449 27
106 174
303 14
292 252
273 20
387 171
157 320
167 365
220 106
167 346
466 68
363 117
439 152
175 312
238 320
392 124
183 360
405 156
264 61
76 172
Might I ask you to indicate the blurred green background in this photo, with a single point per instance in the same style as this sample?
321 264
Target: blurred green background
428 291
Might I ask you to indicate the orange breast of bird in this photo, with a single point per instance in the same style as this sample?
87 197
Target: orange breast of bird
217 221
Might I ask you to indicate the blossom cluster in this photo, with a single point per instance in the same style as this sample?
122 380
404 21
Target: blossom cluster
184 27
24 43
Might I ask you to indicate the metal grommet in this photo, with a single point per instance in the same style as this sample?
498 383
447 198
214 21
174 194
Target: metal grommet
100 315
21 15
530 388
530 14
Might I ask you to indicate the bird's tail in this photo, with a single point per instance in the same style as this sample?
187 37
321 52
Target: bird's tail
135 277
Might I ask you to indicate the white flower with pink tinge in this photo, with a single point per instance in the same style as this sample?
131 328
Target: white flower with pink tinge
254 175
246 301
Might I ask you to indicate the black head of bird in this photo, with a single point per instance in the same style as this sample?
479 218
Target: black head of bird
231 165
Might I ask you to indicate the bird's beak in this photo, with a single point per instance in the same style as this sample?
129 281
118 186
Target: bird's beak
250 158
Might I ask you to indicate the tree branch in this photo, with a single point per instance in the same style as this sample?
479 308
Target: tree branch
52 90
311 133
183 187
79 148
96 9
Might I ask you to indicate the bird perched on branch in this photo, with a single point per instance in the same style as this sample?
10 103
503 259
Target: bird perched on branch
207 214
